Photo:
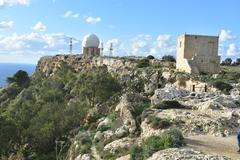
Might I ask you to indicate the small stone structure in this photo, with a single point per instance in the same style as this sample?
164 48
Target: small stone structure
197 54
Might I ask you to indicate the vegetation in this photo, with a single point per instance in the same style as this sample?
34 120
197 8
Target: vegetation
168 58
21 78
223 86
159 123
169 104
227 62
169 139
143 63
150 57
50 109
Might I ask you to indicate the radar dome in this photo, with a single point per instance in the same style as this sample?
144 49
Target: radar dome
90 40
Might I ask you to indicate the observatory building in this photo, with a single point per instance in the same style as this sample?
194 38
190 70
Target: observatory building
90 46
197 54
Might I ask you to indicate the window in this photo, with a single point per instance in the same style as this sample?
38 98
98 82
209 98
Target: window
180 44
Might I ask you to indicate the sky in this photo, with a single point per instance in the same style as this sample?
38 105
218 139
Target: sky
30 29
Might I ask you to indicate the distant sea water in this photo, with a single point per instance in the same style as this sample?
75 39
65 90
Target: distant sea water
9 69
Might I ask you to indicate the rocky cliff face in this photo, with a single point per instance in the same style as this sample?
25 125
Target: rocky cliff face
50 64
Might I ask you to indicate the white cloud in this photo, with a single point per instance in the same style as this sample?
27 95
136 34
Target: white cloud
36 44
163 41
141 44
6 24
14 2
225 35
70 14
233 50
93 20
39 26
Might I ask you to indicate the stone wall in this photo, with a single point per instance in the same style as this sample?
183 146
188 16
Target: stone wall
201 52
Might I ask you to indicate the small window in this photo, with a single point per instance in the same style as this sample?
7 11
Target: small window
180 44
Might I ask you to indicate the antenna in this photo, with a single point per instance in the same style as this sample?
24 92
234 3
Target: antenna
102 48
111 50
70 45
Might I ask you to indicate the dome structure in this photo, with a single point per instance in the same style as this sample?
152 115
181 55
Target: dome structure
90 40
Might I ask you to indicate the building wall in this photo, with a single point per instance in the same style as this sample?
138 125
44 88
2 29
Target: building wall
198 54
90 52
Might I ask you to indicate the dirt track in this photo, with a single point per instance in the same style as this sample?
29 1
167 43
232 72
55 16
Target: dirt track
224 146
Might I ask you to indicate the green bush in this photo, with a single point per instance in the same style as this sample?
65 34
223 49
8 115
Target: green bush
168 58
104 128
159 123
222 86
21 78
169 104
150 57
143 63
136 153
168 139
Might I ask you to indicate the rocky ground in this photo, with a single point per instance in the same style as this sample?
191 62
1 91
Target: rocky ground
140 112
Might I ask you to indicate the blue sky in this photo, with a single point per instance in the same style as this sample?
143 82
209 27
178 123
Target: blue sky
30 29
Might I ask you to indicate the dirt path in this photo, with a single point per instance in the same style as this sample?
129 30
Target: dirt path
224 146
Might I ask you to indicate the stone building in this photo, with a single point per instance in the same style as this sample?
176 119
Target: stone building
90 46
198 54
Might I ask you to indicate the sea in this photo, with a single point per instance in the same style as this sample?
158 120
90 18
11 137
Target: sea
9 69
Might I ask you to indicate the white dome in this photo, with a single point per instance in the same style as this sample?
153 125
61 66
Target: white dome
90 40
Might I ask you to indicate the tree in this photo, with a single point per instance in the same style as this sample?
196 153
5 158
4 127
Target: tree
227 62
7 136
168 58
150 57
237 62
21 78
97 85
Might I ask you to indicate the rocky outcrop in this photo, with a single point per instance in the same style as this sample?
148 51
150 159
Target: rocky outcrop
124 143
125 107
192 122
184 154
168 93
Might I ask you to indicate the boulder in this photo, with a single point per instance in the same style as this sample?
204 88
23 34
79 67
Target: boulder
121 132
168 93
124 143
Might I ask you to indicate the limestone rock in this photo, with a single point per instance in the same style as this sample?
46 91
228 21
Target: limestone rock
127 157
121 132
168 93
84 157
105 122
184 154
123 143
125 107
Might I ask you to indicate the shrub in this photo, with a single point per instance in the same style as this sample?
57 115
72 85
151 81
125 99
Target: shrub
177 137
84 142
227 62
169 139
21 78
222 86
150 57
136 85
143 63
158 123
136 153
104 128
168 58
169 104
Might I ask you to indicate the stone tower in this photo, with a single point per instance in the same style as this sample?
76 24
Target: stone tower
198 54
